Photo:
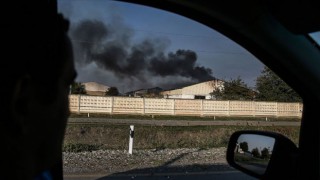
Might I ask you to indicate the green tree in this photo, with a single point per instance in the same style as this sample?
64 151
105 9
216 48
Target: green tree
255 152
265 153
112 91
235 89
271 88
244 146
78 88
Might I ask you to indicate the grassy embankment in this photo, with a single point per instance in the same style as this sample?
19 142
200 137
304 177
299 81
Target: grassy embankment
94 137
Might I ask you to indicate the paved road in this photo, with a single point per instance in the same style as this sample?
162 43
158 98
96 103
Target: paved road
180 122
218 175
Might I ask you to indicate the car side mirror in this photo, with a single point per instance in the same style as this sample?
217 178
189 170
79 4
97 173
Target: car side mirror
264 155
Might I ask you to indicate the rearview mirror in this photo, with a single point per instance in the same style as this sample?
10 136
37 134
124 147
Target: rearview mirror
264 155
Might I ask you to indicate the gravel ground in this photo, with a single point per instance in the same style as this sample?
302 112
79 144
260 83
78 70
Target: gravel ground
146 161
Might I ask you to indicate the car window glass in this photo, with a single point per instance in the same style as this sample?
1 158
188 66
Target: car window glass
315 36
185 87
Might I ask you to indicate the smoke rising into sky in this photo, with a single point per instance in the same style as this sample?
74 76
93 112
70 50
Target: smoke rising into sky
133 47
111 49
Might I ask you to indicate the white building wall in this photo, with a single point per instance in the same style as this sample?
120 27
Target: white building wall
187 96
189 92
174 96
199 89
180 96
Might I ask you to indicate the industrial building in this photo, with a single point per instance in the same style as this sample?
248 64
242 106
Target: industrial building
95 89
196 91
151 92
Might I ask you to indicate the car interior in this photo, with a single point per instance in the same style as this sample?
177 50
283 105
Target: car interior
277 33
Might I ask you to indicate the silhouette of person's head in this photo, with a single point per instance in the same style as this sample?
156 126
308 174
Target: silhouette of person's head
36 72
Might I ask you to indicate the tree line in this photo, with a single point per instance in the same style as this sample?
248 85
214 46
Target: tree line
269 87
263 154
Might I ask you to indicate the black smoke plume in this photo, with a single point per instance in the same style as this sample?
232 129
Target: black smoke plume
111 47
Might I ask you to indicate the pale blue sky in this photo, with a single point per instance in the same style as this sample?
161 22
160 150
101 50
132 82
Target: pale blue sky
215 51
316 36
257 141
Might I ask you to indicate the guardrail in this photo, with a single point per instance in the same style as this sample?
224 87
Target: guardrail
196 107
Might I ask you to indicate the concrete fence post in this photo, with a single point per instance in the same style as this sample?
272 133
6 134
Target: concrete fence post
144 106
254 109
174 107
299 109
277 111
79 103
201 113
228 108
112 103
